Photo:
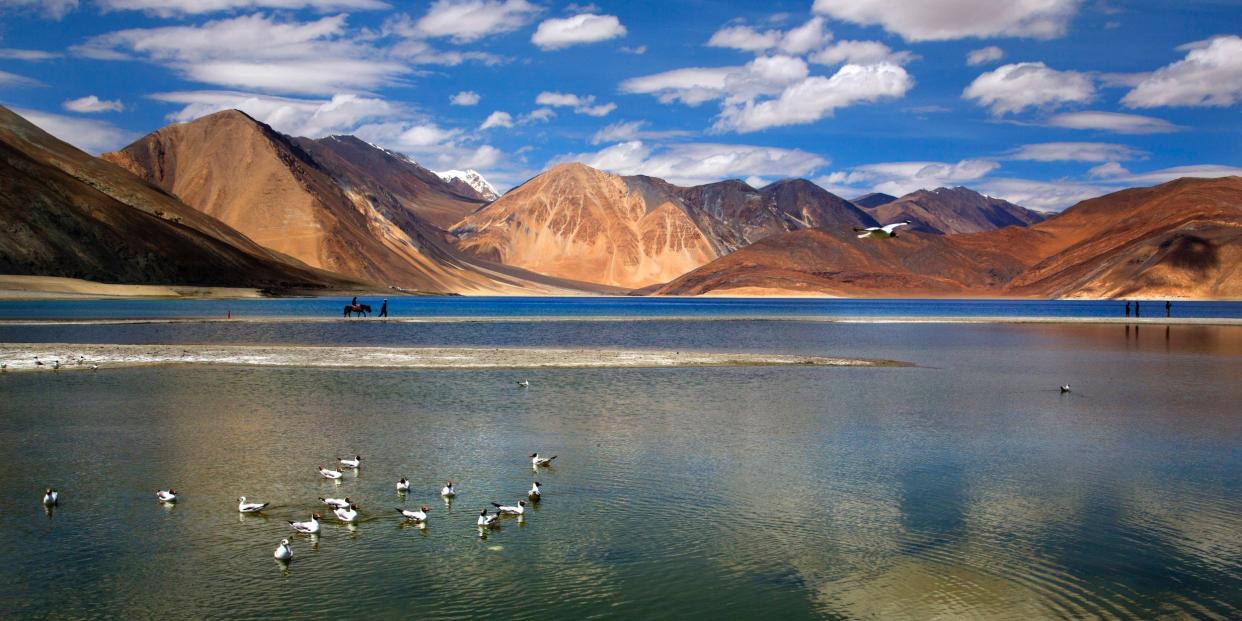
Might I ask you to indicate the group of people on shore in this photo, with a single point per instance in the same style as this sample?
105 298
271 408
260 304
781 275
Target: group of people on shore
1138 310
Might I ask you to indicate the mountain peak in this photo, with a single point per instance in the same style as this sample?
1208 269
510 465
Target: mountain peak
473 180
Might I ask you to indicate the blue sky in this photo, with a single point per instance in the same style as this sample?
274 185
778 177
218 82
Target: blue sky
1044 102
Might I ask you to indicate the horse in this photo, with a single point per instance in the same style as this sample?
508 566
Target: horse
361 309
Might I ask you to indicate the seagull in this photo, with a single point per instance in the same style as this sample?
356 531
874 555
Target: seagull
310 527
415 516
403 485
55 365
336 503
38 363
536 460
283 551
51 497
4 366
524 383
329 474
349 464
166 495
510 509
250 507
447 491
888 230
347 514
94 367
486 520
1065 389
535 492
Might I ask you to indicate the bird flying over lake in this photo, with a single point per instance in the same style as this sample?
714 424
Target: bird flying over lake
888 230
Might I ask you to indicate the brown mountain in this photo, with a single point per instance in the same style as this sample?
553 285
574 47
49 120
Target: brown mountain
338 204
1178 239
576 222
948 211
68 214
874 199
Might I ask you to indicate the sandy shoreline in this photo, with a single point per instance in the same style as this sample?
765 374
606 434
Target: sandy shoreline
1159 321
21 357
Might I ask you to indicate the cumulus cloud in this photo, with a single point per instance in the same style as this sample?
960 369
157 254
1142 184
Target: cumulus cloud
1115 122
53 9
799 40
470 20
1016 87
816 97
940 20
91 103
174 8
901 178
558 33
256 52
633 130
498 118
1210 75
1077 152
982 56
699 163
860 53
581 105
89 135
465 98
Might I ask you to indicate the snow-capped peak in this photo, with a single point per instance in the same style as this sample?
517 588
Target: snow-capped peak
472 179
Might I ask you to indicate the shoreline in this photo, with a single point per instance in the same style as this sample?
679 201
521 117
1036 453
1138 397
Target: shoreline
20 357
864 319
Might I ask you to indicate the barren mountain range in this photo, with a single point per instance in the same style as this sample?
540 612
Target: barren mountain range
226 200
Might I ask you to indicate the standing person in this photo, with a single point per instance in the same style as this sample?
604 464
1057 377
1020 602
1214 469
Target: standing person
1136 309
1127 308
1168 308
384 308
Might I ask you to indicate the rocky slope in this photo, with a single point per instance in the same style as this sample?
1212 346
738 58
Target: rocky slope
577 222
948 211
68 214
338 204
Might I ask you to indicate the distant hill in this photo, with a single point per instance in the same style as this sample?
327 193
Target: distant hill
949 211
67 214
874 199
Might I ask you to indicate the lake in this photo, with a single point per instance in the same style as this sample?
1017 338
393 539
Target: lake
967 486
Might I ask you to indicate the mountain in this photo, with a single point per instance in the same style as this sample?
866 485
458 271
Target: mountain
470 182
874 199
948 211
338 204
68 214
1179 239
576 222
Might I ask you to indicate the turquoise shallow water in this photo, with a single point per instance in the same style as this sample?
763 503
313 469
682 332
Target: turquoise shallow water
967 487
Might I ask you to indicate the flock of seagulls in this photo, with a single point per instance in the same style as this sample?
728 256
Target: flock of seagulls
346 510
55 365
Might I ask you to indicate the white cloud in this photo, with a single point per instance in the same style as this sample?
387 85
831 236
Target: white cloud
256 52
1210 75
557 33
1109 169
53 9
901 178
14 80
498 118
1177 172
91 103
1113 122
800 40
804 38
313 118
88 135
637 51
1042 195
860 53
982 56
699 163
1016 87
31 55
539 114
633 130
465 98
581 105
470 20
817 97
173 8
1077 152
939 20
691 86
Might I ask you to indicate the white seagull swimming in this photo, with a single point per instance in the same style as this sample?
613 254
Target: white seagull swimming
1065 389
166 495
415 516
350 464
330 474
347 514
486 520
510 509
336 503
310 527
536 492
447 491
283 551
537 461
51 497
524 383
250 507
888 230
403 485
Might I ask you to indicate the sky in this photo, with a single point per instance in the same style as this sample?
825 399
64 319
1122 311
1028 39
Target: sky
1041 102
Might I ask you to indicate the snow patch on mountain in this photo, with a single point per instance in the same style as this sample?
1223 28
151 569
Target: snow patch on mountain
473 179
